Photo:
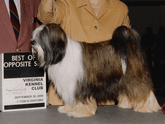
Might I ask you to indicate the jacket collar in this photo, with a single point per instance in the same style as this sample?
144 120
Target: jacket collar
4 17
81 3
25 1
106 5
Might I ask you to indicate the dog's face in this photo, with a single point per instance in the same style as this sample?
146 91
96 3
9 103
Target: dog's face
48 44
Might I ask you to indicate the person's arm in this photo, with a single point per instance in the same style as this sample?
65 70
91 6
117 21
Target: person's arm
126 20
51 11
45 11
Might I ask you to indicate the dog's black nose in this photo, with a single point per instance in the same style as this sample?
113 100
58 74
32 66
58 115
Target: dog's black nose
33 42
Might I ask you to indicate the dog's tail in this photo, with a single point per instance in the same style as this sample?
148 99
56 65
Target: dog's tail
127 45
125 40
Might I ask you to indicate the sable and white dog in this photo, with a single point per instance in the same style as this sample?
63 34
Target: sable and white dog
84 73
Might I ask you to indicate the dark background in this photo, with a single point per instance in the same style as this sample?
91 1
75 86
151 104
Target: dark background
148 18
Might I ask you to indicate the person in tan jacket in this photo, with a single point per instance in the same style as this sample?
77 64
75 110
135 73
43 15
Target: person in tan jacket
84 21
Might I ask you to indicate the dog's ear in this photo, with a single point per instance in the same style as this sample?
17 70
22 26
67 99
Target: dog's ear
44 44
58 41
53 41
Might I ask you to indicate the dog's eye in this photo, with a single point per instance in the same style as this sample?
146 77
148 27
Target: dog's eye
33 42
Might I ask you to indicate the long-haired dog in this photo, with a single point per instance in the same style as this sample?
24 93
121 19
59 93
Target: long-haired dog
85 73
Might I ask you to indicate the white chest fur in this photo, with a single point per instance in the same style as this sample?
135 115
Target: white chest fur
66 73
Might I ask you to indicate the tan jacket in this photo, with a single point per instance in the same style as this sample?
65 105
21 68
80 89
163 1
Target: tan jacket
79 21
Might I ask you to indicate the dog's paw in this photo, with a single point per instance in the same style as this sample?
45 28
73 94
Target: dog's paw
77 115
125 106
149 106
148 109
65 109
60 109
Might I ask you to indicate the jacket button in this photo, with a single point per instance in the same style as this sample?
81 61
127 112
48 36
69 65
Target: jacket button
95 27
17 50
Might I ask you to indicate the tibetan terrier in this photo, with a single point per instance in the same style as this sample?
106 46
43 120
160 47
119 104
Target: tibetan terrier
86 73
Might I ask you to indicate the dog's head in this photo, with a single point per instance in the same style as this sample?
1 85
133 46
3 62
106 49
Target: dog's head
48 44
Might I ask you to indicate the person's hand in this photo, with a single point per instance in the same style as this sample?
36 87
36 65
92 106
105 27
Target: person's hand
48 5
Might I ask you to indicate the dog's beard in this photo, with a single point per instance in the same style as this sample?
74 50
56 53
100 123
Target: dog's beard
40 60
34 52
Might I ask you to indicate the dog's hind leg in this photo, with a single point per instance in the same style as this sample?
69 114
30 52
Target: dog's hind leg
143 105
150 105
84 110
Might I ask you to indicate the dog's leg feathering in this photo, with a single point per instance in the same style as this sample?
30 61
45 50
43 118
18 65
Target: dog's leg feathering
65 109
81 110
109 102
124 102
145 106
149 106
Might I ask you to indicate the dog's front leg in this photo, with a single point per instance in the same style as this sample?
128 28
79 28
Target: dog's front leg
84 110
65 109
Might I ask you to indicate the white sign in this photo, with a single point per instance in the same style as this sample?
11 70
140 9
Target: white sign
23 84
